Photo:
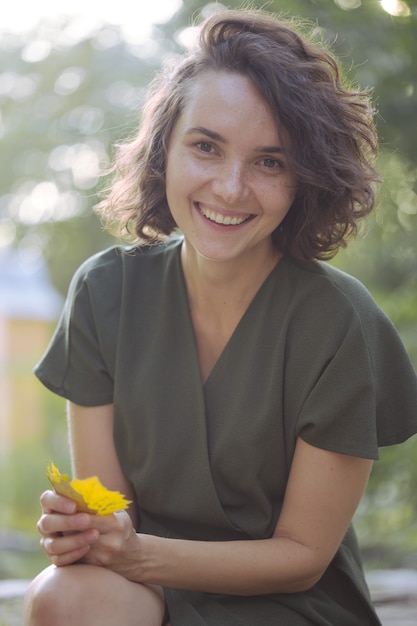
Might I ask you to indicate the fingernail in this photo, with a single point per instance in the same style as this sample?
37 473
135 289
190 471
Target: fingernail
83 521
70 507
92 536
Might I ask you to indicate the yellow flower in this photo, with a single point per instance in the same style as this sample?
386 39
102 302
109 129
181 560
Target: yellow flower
89 494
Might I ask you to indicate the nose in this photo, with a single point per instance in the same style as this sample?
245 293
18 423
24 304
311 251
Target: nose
230 182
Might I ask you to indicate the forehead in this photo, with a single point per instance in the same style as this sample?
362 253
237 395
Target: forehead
230 102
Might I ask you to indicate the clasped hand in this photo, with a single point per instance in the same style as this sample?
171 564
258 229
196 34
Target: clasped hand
69 536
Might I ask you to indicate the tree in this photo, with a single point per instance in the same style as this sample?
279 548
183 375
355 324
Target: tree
377 51
64 101
67 97
380 57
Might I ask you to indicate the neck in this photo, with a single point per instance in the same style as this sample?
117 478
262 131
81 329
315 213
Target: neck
221 286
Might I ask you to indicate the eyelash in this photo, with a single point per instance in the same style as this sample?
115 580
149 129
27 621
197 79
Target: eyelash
207 148
204 144
276 163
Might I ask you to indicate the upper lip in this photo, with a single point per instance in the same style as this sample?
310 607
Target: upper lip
203 206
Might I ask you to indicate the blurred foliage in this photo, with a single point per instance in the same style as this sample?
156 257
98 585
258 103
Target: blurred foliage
377 49
22 480
65 98
67 95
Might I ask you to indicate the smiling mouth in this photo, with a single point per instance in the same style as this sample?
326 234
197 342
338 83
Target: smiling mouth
224 220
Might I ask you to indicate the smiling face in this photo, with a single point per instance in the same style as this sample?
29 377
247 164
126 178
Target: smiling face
228 184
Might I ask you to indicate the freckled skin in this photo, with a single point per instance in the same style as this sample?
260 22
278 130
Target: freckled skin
226 159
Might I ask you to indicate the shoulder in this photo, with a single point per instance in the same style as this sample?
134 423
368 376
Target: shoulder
329 289
327 307
109 268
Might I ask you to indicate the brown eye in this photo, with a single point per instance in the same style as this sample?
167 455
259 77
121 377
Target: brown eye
271 163
204 146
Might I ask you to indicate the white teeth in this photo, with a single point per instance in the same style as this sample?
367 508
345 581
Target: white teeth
222 219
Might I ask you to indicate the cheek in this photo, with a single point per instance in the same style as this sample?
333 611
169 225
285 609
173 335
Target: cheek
289 190
176 169
283 195
176 188
173 181
183 176
292 192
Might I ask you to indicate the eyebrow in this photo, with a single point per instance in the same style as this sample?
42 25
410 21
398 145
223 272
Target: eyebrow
217 137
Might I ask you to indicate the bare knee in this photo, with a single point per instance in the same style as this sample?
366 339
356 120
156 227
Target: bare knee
88 595
42 599
51 598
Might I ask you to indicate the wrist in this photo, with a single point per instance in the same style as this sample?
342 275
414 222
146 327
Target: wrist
147 557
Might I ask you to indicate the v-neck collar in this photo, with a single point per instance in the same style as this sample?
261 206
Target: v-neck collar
237 332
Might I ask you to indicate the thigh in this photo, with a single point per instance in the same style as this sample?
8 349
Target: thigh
87 595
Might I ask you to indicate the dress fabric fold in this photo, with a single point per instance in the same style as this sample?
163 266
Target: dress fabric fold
312 357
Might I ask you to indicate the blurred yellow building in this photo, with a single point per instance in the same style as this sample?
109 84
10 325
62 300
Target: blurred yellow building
29 306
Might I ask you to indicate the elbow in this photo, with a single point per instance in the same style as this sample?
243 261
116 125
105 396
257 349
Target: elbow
305 577
299 581
306 582
314 568
304 569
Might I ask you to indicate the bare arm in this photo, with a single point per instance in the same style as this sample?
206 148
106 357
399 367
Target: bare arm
322 495
323 492
67 536
93 453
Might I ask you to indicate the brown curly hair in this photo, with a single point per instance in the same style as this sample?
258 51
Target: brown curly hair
333 141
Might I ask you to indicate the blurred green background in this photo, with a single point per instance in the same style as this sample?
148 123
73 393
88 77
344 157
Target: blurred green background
68 92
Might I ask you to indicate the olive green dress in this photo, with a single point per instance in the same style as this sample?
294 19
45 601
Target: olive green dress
313 356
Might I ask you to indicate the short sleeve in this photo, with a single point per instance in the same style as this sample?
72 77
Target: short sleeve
365 395
79 361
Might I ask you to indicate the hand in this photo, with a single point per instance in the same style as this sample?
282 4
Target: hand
117 547
66 535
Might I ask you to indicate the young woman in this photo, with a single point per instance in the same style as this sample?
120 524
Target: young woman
229 382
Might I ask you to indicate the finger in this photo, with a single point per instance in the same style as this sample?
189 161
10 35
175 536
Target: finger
65 549
50 524
52 502
61 560
58 545
116 522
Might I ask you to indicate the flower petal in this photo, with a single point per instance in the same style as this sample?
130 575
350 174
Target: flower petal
89 494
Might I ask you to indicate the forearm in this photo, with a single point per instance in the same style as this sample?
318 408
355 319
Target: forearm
277 565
